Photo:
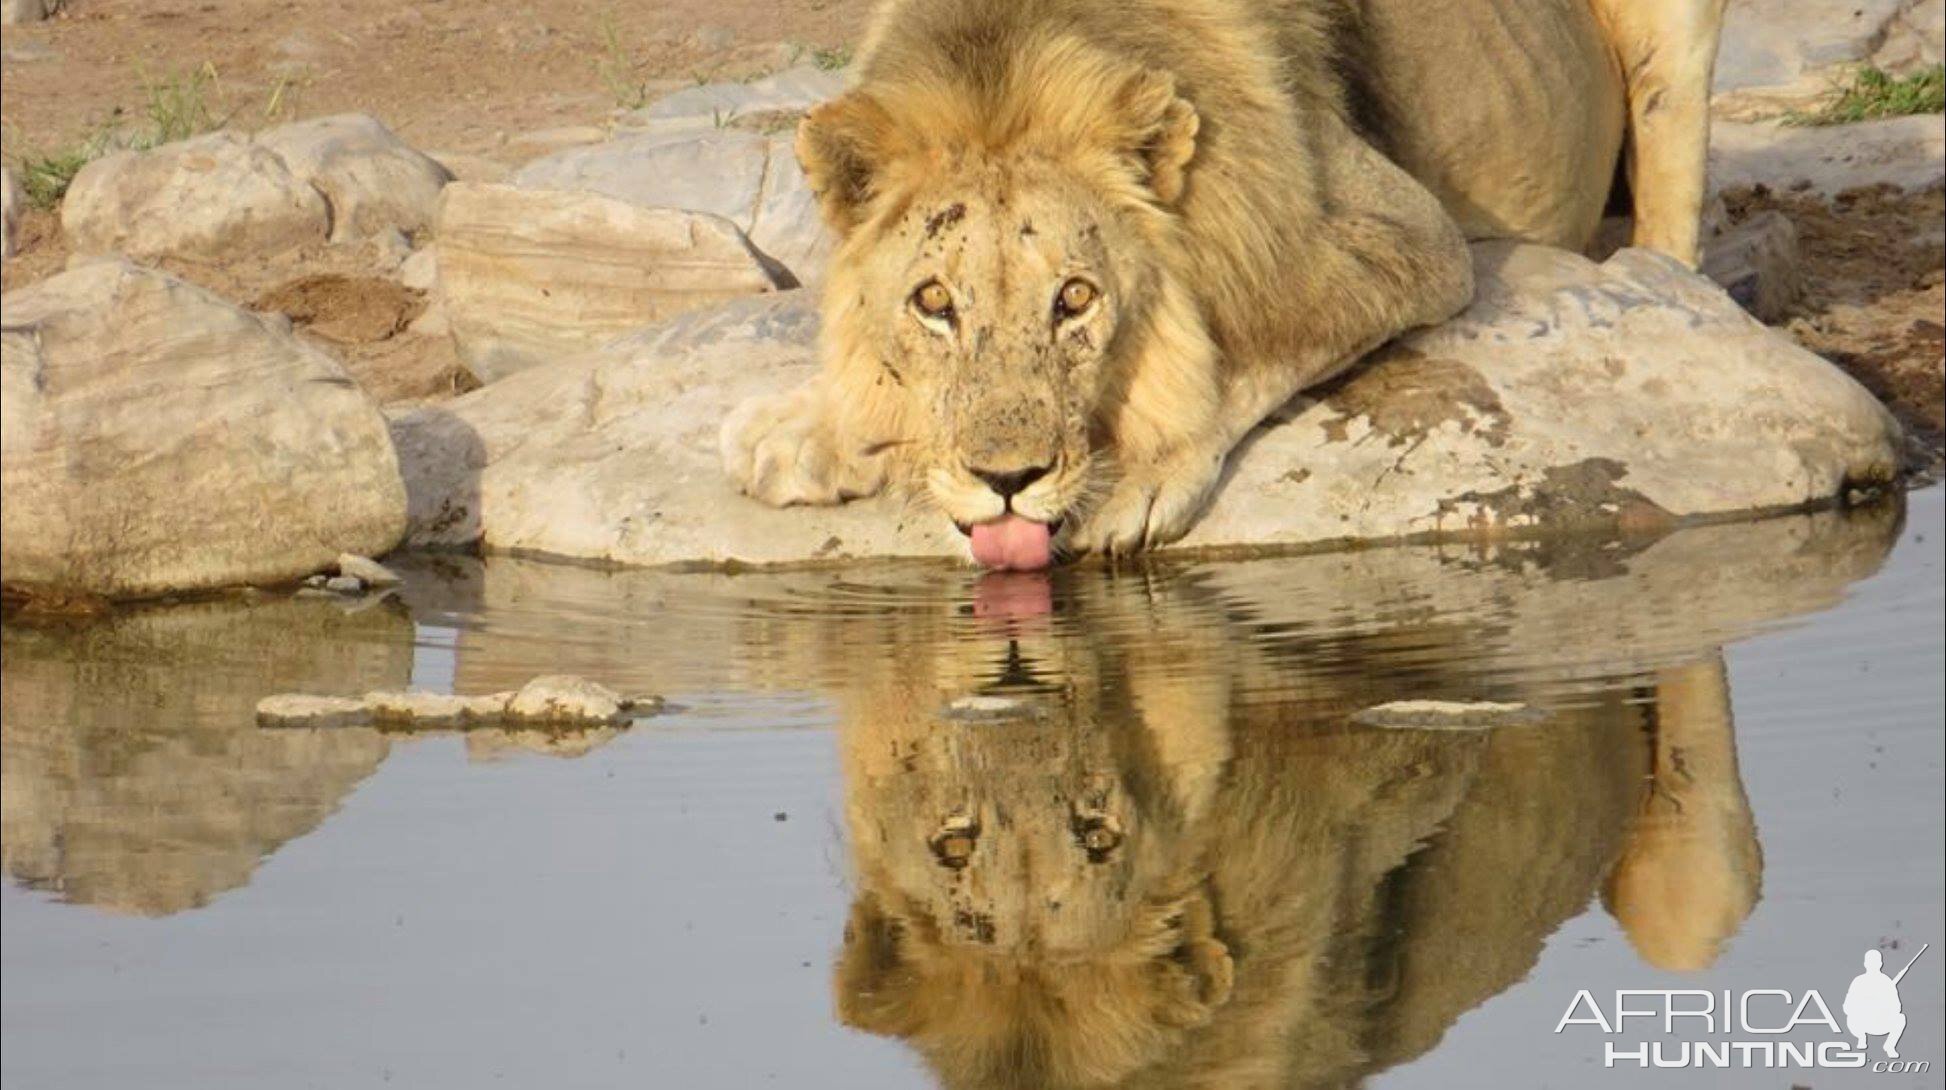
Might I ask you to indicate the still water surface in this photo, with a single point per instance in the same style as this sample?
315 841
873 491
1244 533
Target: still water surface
905 827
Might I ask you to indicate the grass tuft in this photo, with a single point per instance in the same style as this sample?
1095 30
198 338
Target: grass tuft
176 107
618 71
1874 93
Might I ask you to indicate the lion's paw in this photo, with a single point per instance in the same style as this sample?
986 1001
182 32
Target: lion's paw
777 449
1149 508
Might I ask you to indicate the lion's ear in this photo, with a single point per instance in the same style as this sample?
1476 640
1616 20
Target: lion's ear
840 145
1160 130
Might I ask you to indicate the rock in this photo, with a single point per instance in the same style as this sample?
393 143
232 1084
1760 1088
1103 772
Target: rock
218 196
713 106
13 201
1756 261
367 571
158 439
1908 152
465 167
301 710
750 179
1774 43
1570 395
566 700
527 276
1447 715
22 11
435 710
543 141
372 179
1914 39
420 272
344 584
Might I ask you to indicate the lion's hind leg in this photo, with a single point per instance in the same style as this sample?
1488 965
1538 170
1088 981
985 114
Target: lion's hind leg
1667 50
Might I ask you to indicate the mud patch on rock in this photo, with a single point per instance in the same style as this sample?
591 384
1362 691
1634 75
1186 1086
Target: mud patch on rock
1584 495
1406 395
347 309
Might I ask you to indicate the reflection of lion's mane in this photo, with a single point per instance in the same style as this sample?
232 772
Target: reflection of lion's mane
1293 901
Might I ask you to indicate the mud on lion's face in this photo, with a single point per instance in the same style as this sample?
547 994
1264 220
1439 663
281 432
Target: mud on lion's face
1001 300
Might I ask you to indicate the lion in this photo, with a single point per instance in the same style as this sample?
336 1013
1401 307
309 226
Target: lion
1084 248
1083 860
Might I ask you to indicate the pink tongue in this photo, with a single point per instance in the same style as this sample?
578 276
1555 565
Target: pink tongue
1012 543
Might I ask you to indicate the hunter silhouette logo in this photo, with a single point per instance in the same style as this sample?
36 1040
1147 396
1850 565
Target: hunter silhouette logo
1872 1003
1774 1028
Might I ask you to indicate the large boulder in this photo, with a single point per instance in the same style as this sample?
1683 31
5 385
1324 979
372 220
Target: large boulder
158 439
527 276
1628 395
215 196
226 194
371 179
751 179
1774 43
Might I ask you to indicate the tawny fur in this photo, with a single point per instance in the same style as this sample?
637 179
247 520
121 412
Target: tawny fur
1226 176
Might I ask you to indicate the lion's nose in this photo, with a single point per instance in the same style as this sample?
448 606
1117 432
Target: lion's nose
1008 482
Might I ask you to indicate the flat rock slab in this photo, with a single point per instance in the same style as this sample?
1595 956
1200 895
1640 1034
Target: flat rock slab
1907 152
1569 396
528 276
158 439
751 179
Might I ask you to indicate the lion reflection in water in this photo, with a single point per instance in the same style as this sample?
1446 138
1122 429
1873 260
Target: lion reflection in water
1176 861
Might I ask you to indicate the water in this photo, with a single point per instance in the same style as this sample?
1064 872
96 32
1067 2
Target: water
903 826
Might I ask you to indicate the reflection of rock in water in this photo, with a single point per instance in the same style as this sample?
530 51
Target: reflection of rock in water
135 777
1169 856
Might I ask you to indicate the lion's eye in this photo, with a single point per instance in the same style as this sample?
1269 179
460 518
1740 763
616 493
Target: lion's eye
1076 296
933 300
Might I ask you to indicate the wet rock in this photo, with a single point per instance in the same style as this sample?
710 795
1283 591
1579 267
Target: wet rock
1569 396
302 710
13 201
344 584
1447 715
1908 152
567 700
433 710
751 179
158 439
214 196
372 179
527 276
367 571
1756 261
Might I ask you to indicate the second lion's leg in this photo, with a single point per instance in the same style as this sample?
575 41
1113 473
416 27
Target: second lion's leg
1667 50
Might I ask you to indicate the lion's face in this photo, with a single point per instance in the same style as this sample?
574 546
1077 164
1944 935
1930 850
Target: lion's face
994 294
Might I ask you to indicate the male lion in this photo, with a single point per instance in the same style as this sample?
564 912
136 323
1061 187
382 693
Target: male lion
1085 247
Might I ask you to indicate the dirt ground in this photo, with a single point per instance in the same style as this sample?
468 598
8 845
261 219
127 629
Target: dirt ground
487 82
449 75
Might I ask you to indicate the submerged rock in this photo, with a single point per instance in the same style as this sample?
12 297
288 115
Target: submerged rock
302 710
158 439
1628 395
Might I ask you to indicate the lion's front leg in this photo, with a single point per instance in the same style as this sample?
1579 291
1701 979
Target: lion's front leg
1152 504
784 449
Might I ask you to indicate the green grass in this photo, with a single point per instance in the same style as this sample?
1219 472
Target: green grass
1873 93
618 70
830 60
176 106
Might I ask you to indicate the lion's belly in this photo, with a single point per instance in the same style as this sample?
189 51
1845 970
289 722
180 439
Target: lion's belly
1511 111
